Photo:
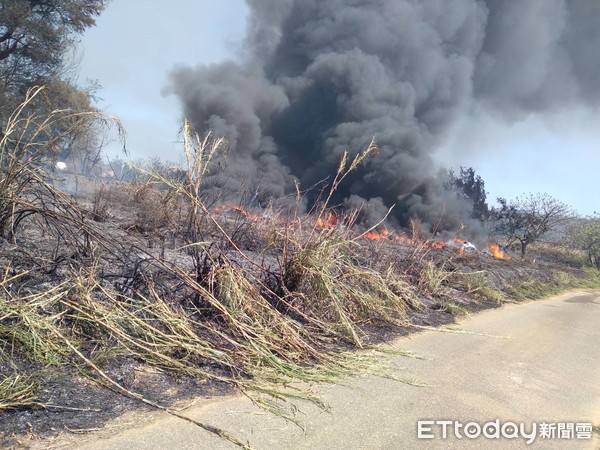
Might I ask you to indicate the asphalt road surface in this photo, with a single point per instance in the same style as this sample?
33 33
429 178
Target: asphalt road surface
537 362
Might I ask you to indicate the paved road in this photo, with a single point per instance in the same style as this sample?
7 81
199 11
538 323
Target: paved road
545 368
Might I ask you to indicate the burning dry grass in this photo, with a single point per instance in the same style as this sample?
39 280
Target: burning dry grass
267 322
220 315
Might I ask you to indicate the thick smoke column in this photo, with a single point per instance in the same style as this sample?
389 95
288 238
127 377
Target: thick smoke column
321 77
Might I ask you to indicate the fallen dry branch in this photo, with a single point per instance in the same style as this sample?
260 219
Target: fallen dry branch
211 429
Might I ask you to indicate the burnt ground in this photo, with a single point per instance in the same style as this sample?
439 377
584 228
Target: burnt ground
70 400
82 405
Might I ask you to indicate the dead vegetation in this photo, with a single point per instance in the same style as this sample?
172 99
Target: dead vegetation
150 271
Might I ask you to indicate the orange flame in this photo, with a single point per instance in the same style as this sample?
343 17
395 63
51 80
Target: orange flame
496 252
246 214
437 244
377 235
329 222
232 207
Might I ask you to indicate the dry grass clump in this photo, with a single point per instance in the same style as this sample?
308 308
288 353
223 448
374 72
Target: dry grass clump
432 279
315 285
26 326
591 279
321 278
146 207
16 391
554 282
477 285
100 205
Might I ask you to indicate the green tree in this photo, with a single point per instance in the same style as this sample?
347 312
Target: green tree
34 38
584 235
470 186
526 219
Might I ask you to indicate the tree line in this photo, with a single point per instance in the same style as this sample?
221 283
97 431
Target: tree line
526 219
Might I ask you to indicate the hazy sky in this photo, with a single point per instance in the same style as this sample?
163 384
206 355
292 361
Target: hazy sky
132 49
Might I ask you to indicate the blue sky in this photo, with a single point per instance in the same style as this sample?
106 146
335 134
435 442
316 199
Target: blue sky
132 49
558 154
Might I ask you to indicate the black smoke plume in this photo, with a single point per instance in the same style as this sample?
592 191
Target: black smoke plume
323 76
